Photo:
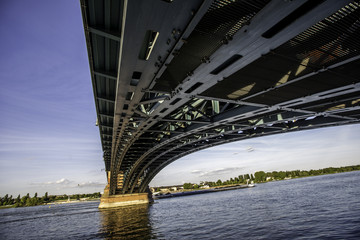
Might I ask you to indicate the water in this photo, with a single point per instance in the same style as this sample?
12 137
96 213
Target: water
322 207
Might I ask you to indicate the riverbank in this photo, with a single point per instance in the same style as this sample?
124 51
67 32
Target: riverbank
72 201
202 191
6 206
58 202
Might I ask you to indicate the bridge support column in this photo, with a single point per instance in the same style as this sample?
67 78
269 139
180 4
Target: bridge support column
120 200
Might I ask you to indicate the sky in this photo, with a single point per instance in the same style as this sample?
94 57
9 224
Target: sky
48 138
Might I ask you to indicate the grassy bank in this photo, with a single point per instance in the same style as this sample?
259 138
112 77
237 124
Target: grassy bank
27 201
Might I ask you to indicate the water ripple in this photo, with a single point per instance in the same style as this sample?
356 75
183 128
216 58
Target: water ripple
322 207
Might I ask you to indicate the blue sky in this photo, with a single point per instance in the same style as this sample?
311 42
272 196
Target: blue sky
48 141
305 150
48 138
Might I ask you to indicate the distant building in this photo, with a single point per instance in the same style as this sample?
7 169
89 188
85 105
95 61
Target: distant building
167 188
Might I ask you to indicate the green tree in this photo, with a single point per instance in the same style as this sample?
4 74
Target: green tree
188 185
10 200
212 184
260 176
4 200
241 179
252 177
97 195
23 201
46 197
28 202
282 174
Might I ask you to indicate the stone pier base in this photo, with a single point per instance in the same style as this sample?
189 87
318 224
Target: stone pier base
123 200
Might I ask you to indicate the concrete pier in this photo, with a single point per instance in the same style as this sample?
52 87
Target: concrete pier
123 200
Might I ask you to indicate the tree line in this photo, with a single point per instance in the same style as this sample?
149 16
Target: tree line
261 176
27 201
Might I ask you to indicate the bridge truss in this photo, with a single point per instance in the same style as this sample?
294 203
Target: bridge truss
174 77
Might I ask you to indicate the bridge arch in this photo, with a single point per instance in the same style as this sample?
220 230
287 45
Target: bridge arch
174 77
312 149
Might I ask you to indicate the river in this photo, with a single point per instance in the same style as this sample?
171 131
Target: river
321 207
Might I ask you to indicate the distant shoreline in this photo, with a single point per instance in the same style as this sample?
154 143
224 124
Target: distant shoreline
28 201
232 184
187 192
202 191
54 203
258 177
71 201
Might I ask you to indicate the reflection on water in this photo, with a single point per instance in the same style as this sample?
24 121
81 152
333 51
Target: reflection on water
130 222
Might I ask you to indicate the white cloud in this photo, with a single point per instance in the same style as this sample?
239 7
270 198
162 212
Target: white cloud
62 181
91 184
220 171
67 186
72 184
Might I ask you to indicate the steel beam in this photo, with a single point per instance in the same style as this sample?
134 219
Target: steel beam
155 99
105 74
105 33
105 99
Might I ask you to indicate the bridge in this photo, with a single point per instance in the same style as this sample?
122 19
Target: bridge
172 77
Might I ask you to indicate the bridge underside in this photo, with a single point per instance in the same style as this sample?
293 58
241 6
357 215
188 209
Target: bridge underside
174 77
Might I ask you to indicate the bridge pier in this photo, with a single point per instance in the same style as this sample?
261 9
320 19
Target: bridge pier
119 200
